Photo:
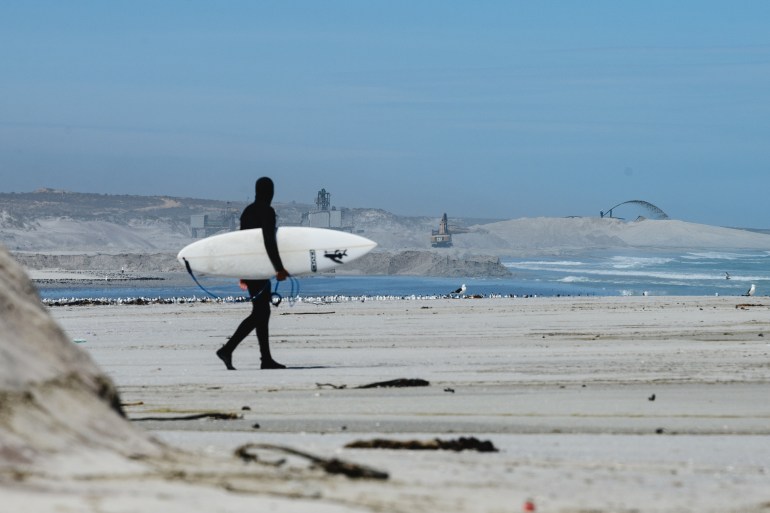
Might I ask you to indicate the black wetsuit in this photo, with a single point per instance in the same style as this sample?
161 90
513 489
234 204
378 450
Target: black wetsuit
258 215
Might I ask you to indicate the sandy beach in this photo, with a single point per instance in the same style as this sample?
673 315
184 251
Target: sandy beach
610 404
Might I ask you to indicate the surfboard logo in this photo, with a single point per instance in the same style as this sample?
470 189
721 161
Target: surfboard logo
313 263
336 255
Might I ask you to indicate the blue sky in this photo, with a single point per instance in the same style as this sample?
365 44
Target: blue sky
498 109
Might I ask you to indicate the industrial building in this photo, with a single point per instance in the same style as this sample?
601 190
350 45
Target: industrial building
204 225
325 215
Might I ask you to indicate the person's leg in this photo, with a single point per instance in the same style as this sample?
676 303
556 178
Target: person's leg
262 321
225 353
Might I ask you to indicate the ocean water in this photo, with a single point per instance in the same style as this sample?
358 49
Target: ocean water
686 273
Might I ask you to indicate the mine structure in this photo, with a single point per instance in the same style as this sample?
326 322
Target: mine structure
325 215
651 209
441 238
203 225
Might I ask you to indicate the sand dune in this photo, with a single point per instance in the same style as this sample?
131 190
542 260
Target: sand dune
515 237
403 245
521 237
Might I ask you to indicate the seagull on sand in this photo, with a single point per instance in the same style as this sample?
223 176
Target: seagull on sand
461 290
751 290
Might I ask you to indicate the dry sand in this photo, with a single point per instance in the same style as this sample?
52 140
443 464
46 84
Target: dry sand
563 387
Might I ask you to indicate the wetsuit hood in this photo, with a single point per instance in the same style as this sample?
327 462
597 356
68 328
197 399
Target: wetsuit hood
264 190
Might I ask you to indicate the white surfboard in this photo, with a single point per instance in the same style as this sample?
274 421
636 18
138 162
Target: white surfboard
241 254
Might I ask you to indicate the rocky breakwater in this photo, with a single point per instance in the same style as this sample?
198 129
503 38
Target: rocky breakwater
133 262
410 262
427 263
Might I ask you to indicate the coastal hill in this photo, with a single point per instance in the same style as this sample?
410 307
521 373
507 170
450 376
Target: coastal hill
554 236
62 222
42 227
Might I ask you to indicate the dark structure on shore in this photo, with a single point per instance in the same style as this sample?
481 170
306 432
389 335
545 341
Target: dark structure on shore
326 215
203 225
441 238
655 212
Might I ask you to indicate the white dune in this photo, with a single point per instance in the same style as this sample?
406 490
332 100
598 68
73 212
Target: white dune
554 235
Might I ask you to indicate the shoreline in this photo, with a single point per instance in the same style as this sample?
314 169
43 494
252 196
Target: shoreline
704 273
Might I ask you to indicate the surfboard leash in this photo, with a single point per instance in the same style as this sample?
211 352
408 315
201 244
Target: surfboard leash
275 297
293 292
204 289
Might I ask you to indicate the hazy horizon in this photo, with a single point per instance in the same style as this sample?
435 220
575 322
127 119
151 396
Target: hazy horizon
492 109
632 210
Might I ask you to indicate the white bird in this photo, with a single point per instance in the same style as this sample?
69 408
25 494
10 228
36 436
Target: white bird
751 290
461 290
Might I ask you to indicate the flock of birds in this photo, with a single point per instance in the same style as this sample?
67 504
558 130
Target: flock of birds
459 292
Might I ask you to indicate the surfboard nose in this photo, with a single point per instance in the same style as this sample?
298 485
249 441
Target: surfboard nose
182 253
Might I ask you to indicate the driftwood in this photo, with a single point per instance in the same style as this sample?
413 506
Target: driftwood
329 385
213 415
243 453
744 306
393 383
329 465
307 313
402 382
458 444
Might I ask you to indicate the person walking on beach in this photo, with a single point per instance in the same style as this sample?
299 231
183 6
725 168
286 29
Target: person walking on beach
258 215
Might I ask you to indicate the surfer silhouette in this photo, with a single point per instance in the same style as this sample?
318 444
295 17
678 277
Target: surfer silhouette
258 215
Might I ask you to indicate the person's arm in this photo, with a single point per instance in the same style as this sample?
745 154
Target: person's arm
271 245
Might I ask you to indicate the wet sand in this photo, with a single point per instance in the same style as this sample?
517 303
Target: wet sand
595 404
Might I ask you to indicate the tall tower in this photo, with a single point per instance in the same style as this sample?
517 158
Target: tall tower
441 238
323 200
